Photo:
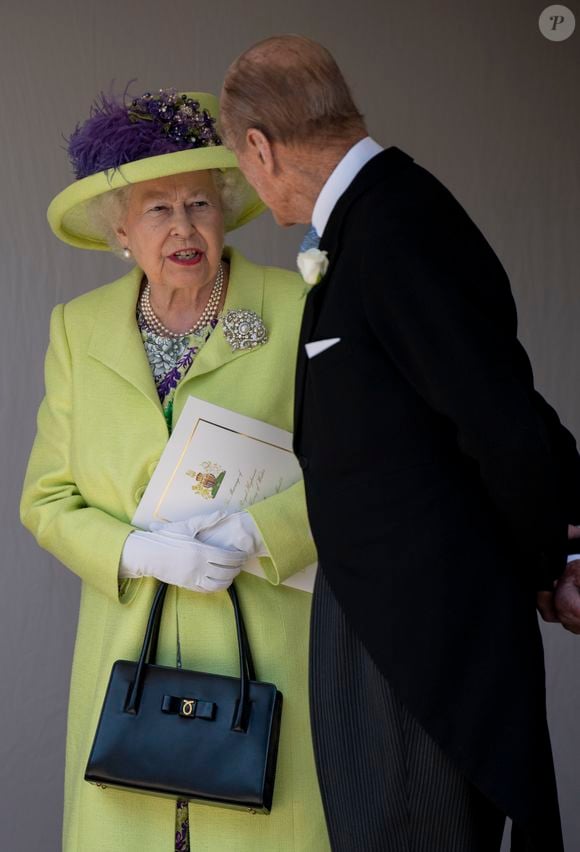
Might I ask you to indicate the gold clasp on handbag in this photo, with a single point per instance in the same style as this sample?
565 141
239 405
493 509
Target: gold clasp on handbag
187 707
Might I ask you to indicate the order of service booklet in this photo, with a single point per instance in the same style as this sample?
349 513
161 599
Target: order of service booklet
217 459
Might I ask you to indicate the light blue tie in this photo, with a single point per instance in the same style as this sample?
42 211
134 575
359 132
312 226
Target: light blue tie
311 239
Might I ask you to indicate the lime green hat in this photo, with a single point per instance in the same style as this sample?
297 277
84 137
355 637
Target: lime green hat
153 136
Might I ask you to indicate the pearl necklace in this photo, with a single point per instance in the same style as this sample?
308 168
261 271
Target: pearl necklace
208 314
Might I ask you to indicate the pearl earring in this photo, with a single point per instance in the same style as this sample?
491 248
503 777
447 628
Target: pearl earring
126 253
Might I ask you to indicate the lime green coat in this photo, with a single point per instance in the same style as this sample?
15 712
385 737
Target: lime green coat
101 431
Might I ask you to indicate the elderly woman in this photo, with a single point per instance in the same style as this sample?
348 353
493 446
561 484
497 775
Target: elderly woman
155 183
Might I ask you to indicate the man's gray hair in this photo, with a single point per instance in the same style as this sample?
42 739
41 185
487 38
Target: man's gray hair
290 88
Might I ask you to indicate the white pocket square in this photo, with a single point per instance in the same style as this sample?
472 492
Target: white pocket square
318 346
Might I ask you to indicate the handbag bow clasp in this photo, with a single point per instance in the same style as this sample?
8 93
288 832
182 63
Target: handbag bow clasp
188 708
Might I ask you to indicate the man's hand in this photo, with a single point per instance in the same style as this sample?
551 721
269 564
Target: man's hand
563 604
567 597
546 608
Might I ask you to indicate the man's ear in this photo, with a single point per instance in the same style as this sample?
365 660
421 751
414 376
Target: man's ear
121 235
261 149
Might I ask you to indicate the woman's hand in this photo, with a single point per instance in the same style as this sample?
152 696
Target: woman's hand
237 531
178 557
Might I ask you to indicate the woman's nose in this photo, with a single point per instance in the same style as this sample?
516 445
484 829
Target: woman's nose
182 224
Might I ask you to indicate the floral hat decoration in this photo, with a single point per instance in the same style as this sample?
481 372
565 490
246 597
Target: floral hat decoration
138 139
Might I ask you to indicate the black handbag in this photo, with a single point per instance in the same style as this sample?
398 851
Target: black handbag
186 734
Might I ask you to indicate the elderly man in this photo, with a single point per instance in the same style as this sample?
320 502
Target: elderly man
440 484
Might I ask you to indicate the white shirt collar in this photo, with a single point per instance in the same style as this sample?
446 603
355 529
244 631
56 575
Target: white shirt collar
341 178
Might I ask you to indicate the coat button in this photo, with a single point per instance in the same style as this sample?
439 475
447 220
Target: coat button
303 462
140 492
152 466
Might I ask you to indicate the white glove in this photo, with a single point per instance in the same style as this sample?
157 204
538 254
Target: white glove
237 531
181 559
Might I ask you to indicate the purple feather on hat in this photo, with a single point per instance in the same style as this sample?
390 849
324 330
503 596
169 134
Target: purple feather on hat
116 133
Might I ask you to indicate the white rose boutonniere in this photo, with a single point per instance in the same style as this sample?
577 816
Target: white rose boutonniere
312 265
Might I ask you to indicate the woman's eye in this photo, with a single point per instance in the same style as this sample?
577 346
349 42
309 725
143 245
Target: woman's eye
199 204
157 207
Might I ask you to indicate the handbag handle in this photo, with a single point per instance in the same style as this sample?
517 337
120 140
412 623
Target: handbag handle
149 655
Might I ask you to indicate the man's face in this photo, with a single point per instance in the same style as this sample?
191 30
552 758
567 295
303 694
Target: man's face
274 187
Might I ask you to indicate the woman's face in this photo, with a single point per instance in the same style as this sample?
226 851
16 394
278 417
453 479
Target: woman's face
174 227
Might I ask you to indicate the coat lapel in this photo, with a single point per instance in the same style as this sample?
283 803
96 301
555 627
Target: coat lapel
245 291
379 168
116 341
311 309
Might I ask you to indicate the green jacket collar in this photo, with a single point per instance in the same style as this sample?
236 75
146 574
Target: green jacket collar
116 341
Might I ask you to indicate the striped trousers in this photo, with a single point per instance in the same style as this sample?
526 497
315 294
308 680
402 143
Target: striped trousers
386 785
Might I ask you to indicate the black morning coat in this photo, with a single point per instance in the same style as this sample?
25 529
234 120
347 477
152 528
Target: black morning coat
439 482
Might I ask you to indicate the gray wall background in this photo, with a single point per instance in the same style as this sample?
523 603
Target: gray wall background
471 90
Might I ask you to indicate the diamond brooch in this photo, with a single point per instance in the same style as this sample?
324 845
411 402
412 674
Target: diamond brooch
244 329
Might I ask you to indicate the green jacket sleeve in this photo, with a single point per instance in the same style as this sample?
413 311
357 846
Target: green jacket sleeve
85 539
283 524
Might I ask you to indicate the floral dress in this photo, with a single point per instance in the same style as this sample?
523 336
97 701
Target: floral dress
170 358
